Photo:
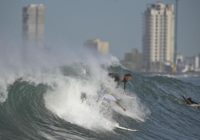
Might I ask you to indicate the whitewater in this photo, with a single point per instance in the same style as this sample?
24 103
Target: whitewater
40 98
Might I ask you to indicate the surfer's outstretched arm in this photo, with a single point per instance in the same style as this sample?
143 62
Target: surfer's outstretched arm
183 97
186 101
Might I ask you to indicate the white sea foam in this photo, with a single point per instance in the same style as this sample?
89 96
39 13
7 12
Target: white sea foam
65 100
88 75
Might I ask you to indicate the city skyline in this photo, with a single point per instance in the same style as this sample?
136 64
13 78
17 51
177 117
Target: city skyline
72 22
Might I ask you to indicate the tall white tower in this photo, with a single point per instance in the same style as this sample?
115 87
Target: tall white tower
33 25
158 38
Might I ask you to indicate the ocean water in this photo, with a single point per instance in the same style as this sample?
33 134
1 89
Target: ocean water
43 103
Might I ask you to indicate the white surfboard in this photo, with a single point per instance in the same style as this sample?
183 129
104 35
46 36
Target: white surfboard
195 105
124 128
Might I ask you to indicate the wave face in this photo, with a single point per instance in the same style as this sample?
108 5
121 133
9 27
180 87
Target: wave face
45 104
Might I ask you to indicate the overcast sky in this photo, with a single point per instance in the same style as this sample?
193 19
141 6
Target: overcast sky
120 22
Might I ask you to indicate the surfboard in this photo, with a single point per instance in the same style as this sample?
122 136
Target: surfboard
195 105
124 128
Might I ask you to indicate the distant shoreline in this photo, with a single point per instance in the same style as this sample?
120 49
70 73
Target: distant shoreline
187 74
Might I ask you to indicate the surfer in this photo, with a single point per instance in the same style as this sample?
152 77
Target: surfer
127 77
189 101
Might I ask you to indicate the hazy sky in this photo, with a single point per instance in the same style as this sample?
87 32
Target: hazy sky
72 22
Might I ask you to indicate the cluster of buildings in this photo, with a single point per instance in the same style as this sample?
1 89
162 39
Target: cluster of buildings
159 51
133 60
188 64
159 39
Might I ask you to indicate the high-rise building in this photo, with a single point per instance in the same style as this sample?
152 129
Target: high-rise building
158 37
33 24
98 45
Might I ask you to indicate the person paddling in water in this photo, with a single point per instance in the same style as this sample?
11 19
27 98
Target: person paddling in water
189 101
